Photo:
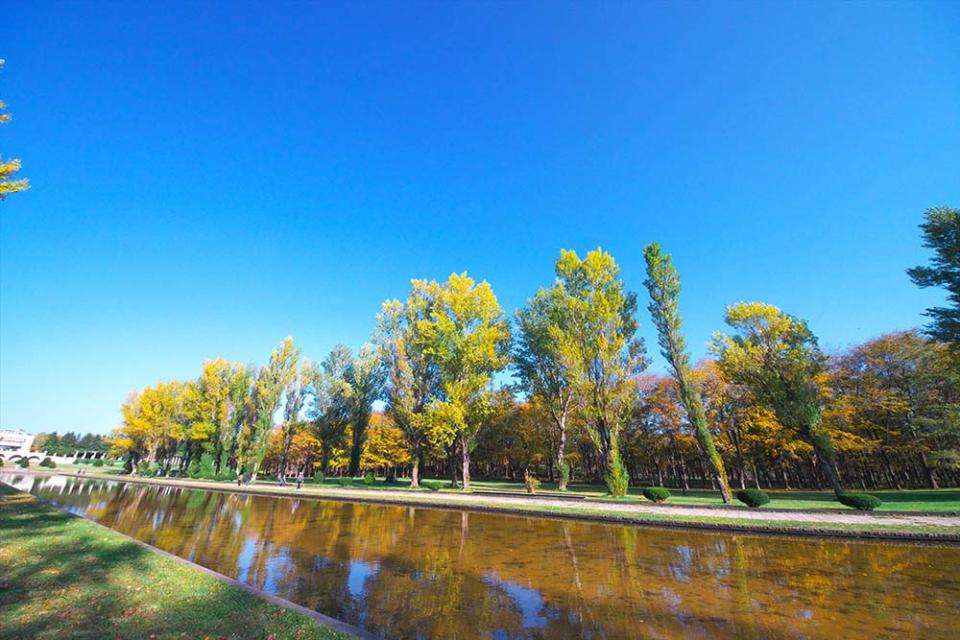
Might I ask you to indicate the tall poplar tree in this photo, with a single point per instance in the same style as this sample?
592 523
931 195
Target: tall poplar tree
411 374
605 354
663 284
469 339
365 375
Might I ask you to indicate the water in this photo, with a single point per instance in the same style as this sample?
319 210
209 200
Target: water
404 572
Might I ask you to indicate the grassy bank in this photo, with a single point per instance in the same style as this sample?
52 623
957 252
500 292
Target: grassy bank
65 577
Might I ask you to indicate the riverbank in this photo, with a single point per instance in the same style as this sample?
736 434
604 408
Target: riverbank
64 576
926 527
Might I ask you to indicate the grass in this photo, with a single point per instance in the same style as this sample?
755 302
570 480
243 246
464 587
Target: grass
925 500
65 577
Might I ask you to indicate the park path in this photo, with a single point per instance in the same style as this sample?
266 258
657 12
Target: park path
602 507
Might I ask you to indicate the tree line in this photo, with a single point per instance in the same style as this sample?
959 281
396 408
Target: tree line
69 443
767 408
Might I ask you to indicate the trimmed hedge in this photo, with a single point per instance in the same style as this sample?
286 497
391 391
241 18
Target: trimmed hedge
433 485
861 501
23 462
48 463
346 481
369 479
98 462
753 497
656 494
318 477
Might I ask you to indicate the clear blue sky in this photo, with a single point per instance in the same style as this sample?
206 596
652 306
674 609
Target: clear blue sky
208 178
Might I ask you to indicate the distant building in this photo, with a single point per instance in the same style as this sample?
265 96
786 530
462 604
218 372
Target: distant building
14 443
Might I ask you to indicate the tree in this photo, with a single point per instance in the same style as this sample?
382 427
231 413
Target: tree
604 352
267 394
543 361
941 232
469 339
295 394
663 284
11 166
411 374
777 357
331 408
365 375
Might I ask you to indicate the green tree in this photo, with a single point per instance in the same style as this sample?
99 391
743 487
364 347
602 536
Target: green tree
331 408
411 374
941 232
267 394
604 352
365 375
295 395
663 284
777 357
469 339
9 167
543 362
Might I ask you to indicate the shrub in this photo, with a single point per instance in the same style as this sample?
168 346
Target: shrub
48 463
861 501
656 494
753 497
1 462
565 474
618 480
194 469
208 467
318 477
98 462
433 485
369 479
346 481
23 462
143 467
531 483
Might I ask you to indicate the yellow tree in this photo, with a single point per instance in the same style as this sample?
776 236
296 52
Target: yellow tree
603 350
11 166
469 339
777 357
411 378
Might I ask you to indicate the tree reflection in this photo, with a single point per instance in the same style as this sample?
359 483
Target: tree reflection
422 573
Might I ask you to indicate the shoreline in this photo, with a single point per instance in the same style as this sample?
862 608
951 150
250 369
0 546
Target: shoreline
901 527
339 627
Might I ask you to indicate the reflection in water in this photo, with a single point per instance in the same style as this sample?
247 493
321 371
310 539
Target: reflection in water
422 573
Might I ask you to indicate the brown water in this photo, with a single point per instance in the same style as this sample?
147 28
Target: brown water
405 572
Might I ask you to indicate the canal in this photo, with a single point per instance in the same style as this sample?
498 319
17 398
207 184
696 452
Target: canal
405 572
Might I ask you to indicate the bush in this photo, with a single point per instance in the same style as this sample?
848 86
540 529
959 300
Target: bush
346 481
433 485
531 483
618 480
1 462
861 501
656 494
143 467
208 467
369 479
23 462
753 497
318 477
98 462
194 470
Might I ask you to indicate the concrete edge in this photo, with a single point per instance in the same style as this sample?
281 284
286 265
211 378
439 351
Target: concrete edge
325 620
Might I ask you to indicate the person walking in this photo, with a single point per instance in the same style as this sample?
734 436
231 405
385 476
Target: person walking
299 478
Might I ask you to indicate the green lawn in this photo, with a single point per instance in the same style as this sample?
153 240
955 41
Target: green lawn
65 577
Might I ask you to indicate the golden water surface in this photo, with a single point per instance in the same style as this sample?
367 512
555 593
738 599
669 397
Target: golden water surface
404 572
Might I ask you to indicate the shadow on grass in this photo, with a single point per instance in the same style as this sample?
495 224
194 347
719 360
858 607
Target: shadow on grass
65 577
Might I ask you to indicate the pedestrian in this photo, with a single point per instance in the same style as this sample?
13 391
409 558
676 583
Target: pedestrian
299 478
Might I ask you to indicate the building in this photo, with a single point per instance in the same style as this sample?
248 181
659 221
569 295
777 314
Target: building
14 443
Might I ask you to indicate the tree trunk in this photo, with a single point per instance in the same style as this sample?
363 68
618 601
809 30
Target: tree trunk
282 471
415 470
465 450
561 462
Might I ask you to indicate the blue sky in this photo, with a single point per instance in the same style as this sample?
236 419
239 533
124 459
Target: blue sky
208 178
